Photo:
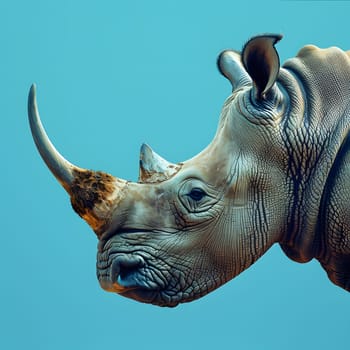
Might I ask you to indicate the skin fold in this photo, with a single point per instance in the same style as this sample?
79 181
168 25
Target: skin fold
277 171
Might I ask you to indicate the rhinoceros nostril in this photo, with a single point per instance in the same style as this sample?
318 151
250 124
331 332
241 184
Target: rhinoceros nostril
123 268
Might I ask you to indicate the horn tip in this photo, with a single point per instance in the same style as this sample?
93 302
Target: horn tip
32 97
145 151
32 91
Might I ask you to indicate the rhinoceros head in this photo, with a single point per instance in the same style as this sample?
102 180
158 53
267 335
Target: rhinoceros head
185 229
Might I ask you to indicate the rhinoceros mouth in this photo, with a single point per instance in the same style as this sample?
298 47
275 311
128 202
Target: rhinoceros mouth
133 276
125 272
135 288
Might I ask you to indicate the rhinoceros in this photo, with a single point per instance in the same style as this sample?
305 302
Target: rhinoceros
276 171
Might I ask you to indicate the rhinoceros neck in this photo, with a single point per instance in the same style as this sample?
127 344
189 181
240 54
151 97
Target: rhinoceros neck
313 131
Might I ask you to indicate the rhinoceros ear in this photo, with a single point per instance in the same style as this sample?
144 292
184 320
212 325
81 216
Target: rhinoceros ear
230 66
261 61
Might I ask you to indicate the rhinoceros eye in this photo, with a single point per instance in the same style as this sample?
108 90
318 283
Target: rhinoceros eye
197 194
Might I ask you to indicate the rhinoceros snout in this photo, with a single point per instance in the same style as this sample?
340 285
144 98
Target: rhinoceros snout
124 270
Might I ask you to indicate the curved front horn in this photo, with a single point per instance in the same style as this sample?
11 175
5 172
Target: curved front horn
94 195
61 168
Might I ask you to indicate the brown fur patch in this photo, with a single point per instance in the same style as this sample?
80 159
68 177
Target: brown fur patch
90 188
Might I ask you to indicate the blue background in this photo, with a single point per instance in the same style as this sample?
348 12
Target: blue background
111 75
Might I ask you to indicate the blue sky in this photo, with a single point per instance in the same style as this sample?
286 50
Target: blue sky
111 75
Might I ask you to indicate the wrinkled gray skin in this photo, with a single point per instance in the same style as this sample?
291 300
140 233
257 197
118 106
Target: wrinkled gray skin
277 171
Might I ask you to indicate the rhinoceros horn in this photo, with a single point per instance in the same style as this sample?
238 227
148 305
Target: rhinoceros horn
154 168
61 168
94 194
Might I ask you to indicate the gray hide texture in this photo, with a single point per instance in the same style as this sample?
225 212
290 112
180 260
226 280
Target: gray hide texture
277 171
